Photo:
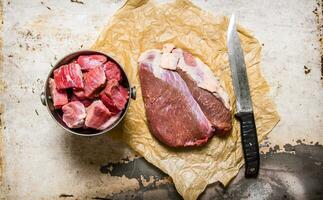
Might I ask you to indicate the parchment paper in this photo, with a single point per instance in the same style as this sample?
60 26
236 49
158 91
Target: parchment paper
143 25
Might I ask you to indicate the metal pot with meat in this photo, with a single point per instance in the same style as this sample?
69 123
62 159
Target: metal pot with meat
87 93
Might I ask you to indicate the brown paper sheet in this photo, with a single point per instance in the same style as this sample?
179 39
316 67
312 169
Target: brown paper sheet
143 25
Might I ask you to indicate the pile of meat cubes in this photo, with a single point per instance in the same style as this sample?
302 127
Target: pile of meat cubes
89 92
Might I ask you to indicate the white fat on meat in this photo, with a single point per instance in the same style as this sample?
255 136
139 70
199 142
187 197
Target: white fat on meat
69 79
74 114
152 59
203 76
169 60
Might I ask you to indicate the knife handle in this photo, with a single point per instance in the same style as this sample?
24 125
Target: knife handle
249 143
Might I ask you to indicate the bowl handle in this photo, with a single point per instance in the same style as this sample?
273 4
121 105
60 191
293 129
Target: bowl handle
133 92
42 98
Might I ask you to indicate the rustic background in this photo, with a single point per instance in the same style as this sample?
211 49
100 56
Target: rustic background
41 161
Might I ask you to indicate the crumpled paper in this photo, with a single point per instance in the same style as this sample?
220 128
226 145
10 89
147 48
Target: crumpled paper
142 25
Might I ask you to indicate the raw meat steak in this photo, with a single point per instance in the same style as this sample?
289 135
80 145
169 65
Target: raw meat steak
93 80
114 96
74 114
68 76
59 97
112 71
91 61
97 115
174 117
206 90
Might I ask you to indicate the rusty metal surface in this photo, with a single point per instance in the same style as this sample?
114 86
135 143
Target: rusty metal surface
286 175
41 161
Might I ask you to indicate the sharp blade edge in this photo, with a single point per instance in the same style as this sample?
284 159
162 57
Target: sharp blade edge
238 69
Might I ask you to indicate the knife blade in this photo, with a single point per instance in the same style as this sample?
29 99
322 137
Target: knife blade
243 101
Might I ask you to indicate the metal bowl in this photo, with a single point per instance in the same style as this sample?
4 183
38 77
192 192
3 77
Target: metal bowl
57 114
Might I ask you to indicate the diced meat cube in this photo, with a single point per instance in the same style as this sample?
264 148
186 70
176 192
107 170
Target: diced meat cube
120 97
97 115
91 61
59 97
109 103
68 76
74 114
114 96
93 80
85 102
112 71
110 121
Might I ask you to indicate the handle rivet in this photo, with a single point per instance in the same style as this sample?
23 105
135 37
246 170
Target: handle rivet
133 93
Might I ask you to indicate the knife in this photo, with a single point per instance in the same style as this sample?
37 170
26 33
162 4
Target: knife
244 103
